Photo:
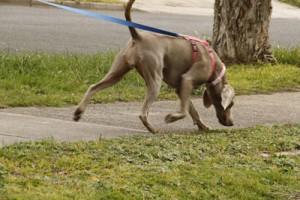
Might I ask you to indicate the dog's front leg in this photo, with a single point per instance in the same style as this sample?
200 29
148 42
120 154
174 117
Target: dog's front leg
196 119
184 95
188 80
195 116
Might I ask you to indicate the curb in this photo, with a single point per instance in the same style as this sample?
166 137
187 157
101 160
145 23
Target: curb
82 5
92 6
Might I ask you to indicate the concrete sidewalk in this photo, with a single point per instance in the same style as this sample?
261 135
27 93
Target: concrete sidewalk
187 7
120 119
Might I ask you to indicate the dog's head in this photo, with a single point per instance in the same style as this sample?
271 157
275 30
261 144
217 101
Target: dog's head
221 96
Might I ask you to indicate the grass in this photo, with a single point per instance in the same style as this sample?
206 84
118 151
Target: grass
37 79
221 164
288 56
55 80
292 2
218 165
255 79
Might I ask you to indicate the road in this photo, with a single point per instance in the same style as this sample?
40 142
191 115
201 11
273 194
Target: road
24 29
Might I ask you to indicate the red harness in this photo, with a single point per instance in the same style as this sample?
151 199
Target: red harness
193 42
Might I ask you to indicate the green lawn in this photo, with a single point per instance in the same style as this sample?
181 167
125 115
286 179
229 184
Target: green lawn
217 165
37 79
292 2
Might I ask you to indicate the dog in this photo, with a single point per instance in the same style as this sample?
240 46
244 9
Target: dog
182 62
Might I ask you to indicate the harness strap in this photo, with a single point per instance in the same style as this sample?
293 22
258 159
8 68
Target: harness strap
195 50
219 78
193 42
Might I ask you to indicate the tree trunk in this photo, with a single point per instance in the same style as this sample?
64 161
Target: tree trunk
241 30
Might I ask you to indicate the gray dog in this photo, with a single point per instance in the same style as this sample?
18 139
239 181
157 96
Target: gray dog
182 62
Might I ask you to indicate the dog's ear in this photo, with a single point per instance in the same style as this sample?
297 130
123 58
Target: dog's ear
227 96
206 99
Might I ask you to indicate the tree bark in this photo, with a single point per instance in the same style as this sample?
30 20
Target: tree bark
241 30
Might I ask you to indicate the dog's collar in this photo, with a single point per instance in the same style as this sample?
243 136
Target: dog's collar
219 78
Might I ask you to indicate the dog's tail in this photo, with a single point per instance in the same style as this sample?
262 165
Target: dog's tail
134 34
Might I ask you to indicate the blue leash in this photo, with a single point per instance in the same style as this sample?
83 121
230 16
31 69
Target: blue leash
113 19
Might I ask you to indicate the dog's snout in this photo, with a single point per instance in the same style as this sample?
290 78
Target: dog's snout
226 122
229 122
226 119
223 122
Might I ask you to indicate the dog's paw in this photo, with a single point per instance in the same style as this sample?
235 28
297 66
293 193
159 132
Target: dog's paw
174 117
76 118
154 131
204 128
77 115
147 124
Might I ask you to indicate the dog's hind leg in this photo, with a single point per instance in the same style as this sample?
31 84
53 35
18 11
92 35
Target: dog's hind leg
150 98
152 76
116 72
